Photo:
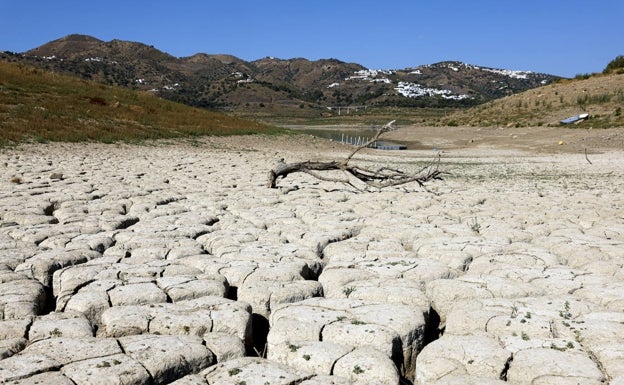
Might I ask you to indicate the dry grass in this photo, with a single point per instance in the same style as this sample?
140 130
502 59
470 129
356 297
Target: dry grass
37 105
602 96
372 115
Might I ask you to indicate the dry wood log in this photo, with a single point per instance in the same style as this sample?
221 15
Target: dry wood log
353 174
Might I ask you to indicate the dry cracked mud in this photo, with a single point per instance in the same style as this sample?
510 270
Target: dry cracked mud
173 263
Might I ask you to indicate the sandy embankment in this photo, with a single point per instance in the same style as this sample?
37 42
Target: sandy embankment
173 262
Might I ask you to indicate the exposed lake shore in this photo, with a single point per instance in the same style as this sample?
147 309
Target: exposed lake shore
172 262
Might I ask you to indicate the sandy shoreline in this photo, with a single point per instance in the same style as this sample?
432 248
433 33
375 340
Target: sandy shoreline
507 271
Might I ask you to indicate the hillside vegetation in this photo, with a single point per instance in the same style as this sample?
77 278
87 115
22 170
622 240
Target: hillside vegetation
283 85
37 105
602 96
615 66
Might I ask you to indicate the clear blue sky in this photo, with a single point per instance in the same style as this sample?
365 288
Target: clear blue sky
560 37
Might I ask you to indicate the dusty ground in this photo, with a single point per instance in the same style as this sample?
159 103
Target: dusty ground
172 261
540 140
534 139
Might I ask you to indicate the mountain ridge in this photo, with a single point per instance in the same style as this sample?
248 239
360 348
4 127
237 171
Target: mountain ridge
226 81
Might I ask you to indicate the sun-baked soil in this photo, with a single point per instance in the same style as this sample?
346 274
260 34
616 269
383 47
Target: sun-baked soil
531 139
534 139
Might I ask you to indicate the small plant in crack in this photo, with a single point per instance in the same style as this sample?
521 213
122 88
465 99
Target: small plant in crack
56 332
475 226
292 347
525 337
234 371
565 313
348 291
357 369
358 322
343 198
306 357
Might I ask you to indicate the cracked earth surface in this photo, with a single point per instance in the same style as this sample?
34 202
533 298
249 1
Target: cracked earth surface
173 263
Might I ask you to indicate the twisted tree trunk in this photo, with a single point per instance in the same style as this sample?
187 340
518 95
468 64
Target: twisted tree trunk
383 177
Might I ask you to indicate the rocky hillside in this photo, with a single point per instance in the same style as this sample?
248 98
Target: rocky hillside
225 81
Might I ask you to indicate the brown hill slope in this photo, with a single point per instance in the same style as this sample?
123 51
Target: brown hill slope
602 96
67 46
224 81
44 106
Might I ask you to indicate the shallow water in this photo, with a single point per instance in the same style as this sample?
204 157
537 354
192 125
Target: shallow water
356 136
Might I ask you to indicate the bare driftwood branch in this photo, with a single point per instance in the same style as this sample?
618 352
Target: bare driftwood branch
352 174
586 158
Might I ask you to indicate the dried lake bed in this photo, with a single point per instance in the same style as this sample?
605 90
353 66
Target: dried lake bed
173 263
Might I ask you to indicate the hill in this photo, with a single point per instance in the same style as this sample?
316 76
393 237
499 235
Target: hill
39 105
224 81
601 96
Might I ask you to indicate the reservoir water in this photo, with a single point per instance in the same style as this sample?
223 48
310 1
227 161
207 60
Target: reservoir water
355 136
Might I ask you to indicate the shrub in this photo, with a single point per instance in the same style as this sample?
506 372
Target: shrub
615 66
97 101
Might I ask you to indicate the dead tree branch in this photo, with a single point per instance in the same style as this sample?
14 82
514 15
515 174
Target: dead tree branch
352 174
